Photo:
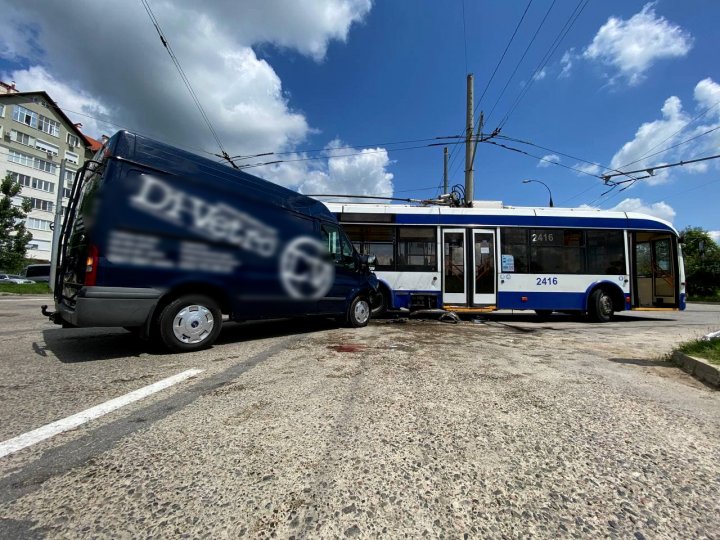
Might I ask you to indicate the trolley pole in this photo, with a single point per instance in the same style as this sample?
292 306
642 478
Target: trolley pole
469 180
445 171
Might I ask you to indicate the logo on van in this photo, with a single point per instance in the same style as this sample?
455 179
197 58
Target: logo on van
305 272
218 222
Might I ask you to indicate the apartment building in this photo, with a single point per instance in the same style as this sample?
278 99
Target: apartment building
35 137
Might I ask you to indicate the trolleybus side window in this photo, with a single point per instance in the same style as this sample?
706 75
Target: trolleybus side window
515 250
605 252
557 251
417 248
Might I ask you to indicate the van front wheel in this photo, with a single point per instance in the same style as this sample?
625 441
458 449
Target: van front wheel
190 323
359 312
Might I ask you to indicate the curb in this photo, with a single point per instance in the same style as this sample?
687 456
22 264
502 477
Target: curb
698 368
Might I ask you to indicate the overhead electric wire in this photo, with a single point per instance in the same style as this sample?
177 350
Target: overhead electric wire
453 155
700 115
543 159
519 62
579 8
185 79
520 141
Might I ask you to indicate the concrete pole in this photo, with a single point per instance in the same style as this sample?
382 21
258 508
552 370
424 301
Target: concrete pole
57 224
445 171
469 180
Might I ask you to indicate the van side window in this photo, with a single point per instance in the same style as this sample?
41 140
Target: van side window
338 246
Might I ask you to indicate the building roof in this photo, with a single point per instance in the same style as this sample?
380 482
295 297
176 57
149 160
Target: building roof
93 144
70 124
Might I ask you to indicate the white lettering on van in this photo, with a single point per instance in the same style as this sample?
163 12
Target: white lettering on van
218 222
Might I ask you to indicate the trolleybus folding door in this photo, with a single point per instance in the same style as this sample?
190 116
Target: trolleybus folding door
483 256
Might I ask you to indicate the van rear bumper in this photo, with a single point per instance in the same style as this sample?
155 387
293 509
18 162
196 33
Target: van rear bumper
110 306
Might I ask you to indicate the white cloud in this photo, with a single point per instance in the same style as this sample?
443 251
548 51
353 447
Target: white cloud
567 63
715 235
650 138
540 75
548 159
121 71
663 140
632 46
588 168
660 210
350 172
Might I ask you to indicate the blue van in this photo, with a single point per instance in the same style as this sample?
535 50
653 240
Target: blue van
163 242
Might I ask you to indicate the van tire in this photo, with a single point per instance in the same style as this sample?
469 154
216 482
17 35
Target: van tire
600 306
189 323
358 314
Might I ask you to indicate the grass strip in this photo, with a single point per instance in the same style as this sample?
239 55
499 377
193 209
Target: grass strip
25 288
707 350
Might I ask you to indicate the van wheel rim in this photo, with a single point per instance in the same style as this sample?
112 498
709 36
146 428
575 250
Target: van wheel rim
362 311
193 324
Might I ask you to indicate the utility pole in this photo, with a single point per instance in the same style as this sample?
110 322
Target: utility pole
445 171
57 224
469 180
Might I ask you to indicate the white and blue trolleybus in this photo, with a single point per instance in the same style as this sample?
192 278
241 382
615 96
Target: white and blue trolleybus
491 257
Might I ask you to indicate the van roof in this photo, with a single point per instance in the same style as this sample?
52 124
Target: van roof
143 150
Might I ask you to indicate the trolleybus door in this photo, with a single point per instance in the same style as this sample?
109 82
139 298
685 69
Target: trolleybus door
483 254
454 262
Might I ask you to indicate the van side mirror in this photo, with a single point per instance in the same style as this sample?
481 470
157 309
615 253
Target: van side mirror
371 261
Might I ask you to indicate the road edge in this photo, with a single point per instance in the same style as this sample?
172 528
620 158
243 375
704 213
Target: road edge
698 368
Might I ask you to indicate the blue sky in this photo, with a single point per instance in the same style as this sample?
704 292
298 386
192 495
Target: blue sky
626 80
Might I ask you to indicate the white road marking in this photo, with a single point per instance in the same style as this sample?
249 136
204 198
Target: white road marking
71 422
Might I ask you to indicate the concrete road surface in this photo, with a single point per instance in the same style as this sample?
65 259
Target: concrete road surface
502 427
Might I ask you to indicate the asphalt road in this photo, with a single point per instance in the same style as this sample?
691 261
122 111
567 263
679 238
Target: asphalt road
500 427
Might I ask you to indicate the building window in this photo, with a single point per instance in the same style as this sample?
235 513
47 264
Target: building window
22 138
34 183
2 111
69 177
38 224
47 147
31 161
72 157
41 204
72 140
51 127
417 248
67 192
25 116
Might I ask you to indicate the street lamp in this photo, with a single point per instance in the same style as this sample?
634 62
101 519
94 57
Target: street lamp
546 187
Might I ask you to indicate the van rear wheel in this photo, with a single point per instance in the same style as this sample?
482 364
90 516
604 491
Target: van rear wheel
190 323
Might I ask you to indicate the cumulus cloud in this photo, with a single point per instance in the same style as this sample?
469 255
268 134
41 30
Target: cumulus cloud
121 72
715 235
587 168
660 210
346 171
632 46
663 140
548 159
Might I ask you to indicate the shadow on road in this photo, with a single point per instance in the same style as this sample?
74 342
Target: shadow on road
73 345
641 362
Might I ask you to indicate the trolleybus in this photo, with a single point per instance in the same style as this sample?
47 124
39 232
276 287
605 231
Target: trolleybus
491 257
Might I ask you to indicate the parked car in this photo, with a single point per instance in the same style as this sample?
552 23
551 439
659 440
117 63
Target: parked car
13 278
37 272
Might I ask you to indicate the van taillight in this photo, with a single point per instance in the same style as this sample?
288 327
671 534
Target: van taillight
91 266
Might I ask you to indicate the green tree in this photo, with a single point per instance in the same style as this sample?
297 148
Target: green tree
702 262
13 235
